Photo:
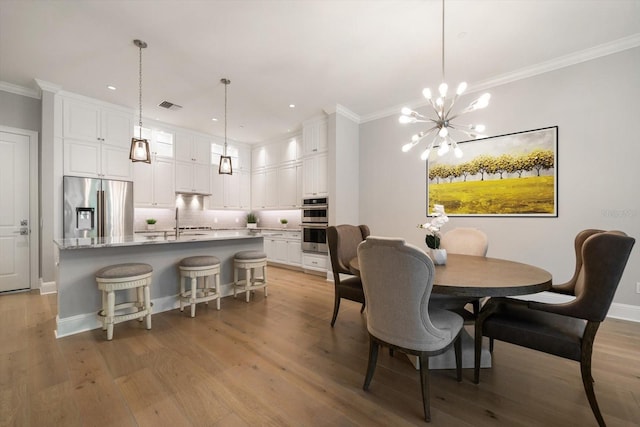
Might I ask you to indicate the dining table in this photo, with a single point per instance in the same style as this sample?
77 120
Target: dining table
479 277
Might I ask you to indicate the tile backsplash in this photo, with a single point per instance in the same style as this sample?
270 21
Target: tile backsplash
192 214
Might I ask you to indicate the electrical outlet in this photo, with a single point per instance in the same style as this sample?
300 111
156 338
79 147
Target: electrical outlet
638 288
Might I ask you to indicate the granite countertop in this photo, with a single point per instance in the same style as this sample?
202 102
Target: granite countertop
160 237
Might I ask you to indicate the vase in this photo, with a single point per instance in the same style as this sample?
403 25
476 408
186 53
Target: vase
439 256
252 225
151 226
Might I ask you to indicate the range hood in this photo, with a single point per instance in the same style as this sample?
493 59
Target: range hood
193 193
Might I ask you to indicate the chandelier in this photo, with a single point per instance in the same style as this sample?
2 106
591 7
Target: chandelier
442 123
139 151
225 167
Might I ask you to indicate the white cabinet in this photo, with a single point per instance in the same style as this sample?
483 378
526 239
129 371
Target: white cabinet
192 148
193 177
290 186
266 156
92 122
314 137
314 170
96 140
291 150
264 189
315 262
284 248
230 191
154 184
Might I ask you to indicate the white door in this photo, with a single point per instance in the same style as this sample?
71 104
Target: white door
14 212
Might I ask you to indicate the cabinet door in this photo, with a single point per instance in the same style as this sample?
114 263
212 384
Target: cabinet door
270 248
82 158
281 251
232 191
294 252
202 178
183 147
184 176
164 194
201 150
143 184
322 176
245 190
314 138
259 157
271 188
81 120
287 180
216 201
117 128
289 151
298 185
258 186
115 162
162 144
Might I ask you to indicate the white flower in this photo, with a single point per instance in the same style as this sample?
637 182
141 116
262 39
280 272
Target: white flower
433 227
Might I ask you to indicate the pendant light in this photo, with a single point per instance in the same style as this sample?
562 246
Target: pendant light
139 146
442 124
225 167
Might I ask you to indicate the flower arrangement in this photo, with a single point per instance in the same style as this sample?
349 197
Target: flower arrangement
151 221
284 221
252 218
433 227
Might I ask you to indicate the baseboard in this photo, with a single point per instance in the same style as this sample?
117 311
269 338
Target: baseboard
88 321
48 287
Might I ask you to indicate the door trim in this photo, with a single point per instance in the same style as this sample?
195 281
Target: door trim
34 205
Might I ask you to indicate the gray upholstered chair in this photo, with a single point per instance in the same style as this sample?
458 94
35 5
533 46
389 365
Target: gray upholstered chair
343 241
567 329
463 241
397 279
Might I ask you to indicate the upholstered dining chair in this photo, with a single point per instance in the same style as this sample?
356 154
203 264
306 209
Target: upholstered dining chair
397 279
343 241
568 329
463 241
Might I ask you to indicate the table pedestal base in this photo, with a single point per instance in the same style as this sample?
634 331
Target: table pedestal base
447 360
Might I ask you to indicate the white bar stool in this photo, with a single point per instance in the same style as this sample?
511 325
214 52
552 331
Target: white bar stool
249 261
194 267
121 277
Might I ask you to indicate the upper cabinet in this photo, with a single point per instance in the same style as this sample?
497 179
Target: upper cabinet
192 148
97 140
314 137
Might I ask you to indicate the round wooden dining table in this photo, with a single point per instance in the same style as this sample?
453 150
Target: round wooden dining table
477 276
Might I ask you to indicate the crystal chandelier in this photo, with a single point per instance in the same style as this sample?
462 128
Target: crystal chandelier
444 116
139 151
225 167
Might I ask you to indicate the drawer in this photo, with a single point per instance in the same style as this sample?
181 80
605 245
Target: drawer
314 261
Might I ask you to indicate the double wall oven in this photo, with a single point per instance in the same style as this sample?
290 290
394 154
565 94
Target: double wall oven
315 219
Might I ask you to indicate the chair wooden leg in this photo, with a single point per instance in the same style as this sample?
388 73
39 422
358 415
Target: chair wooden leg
457 346
371 366
336 306
477 351
424 383
585 370
491 345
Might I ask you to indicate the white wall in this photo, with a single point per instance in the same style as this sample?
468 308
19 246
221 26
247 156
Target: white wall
595 104
343 169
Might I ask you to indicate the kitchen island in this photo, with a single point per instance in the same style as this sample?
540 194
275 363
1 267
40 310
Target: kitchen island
79 258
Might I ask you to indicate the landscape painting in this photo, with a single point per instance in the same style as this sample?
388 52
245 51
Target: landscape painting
514 174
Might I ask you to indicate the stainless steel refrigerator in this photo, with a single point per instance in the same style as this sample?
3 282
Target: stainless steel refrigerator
97 207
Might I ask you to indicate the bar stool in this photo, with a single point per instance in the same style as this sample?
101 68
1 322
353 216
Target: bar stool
194 267
249 261
121 277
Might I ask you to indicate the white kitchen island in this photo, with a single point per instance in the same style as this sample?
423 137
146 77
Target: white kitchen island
79 299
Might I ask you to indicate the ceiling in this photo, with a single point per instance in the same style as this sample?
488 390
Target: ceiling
366 55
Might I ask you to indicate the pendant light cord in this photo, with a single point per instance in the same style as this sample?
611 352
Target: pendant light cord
140 90
443 41
226 83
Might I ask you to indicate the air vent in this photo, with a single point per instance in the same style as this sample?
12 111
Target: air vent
169 105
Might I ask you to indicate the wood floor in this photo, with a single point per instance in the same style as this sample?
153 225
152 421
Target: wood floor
276 361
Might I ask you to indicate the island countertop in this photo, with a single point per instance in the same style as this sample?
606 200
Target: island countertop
144 239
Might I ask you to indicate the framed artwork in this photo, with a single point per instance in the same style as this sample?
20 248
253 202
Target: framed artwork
506 175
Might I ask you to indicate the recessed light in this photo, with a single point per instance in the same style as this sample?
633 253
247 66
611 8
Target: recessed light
215 119
292 105
110 87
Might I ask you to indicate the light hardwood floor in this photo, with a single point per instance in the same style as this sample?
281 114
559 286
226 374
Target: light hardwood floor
276 361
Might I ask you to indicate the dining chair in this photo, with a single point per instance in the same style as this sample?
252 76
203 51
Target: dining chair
397 279
343 241
567 329
463 241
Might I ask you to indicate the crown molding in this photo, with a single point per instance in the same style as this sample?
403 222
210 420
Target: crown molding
48 86
589 54
19 90
344 111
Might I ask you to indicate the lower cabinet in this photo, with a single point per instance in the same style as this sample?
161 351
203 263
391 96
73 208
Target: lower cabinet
284 248
315 262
